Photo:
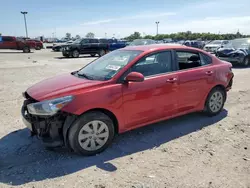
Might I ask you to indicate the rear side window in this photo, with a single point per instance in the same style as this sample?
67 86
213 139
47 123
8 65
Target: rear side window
85 41
205 59
103 41
189 60
94 41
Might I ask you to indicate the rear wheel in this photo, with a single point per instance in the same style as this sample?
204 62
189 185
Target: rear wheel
101 53
26 49
215 101
246 62
75 54
92 133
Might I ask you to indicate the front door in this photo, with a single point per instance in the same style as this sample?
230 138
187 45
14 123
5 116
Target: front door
85 46
155 97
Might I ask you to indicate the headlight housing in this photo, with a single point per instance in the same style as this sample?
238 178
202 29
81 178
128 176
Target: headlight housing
49 107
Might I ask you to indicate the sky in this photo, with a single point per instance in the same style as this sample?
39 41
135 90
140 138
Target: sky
121 18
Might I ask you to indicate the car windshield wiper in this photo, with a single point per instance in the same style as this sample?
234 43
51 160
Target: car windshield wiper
85 76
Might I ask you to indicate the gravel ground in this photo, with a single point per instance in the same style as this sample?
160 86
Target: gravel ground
189 151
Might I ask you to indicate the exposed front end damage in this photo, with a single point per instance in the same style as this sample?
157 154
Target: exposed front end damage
235 56
48 128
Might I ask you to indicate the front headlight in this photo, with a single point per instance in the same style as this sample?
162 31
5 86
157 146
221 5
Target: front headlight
49 107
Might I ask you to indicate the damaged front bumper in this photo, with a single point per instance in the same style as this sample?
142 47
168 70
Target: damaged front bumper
52 130
233 60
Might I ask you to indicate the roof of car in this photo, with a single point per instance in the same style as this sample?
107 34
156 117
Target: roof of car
153 47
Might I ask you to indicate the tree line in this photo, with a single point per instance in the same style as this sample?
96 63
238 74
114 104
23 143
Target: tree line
187 36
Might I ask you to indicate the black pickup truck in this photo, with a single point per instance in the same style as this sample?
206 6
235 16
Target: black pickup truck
85 46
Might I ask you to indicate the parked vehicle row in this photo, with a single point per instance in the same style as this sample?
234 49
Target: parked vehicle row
125 89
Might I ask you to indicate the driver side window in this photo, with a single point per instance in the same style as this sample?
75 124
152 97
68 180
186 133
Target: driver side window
154 64
85 41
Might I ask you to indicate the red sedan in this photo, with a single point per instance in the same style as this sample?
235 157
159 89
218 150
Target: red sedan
123 90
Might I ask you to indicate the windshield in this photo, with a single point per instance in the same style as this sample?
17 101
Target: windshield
239 43
76 41
216 42
139 42
106 67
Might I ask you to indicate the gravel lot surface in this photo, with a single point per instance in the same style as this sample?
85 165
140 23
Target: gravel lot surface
189 151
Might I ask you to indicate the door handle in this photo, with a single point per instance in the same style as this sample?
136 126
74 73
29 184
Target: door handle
171 80
209 72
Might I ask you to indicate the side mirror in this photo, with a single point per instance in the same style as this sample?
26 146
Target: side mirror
134 77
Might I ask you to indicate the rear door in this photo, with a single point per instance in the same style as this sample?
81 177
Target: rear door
85 46
94 45
155 97
196 75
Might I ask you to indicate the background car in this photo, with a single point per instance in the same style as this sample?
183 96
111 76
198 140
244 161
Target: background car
90 46
139 42
38 43
237 51
213 46
58 47
123 90
113 44
14 43
194 44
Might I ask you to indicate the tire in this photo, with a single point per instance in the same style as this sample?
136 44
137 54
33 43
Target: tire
67 56
75 54
246 61
26 49
92 55
101 53
215 101
38 48
82 134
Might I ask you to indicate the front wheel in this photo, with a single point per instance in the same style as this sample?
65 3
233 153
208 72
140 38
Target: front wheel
215 101
92 133
75 54
246 62
26 49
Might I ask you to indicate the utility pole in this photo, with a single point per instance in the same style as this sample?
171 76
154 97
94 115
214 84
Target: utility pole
24 13
157 23
105 35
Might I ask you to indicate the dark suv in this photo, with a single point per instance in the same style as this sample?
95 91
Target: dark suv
85 46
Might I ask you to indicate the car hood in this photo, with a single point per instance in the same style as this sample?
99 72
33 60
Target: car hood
231 51
60 45
59 86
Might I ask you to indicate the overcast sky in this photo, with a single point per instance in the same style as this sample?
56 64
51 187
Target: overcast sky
123 17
